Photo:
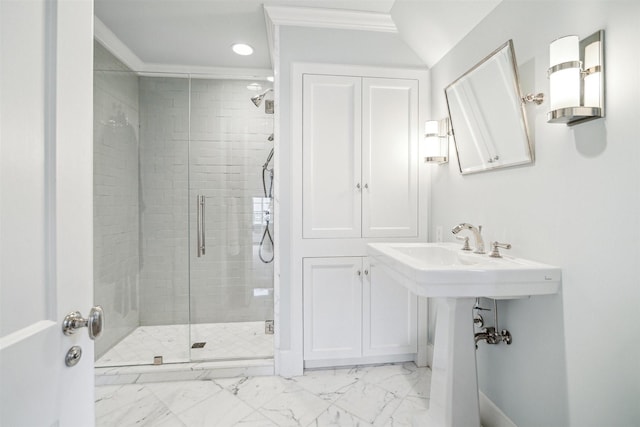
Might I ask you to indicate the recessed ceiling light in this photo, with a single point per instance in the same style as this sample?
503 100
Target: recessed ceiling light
242 49
270 78
254 86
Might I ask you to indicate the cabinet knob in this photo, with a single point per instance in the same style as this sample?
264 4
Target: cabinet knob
358 186
359 273
366 272
366 186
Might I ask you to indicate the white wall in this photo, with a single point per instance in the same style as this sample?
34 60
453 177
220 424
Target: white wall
575 356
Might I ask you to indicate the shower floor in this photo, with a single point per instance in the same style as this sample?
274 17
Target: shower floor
224 341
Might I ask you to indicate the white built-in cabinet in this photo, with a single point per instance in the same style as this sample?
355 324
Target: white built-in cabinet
359 157
353 310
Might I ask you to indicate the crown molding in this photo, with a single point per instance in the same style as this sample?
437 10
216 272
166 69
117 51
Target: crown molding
113 44
330 18
201 72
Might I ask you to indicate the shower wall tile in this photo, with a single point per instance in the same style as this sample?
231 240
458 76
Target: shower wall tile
228 148
115 188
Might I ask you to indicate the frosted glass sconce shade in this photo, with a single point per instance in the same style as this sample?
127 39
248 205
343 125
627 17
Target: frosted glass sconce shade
576 79
436 141
564 82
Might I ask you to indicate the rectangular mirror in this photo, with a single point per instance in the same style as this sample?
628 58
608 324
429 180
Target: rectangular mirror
487 115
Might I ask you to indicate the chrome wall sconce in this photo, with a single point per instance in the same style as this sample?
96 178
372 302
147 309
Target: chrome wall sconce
436 141
576 79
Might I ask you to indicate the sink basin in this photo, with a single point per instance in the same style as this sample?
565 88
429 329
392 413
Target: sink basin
455 278
443 270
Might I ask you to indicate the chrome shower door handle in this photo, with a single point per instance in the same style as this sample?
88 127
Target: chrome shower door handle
200 224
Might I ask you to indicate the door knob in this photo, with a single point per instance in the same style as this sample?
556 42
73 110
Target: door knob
94 322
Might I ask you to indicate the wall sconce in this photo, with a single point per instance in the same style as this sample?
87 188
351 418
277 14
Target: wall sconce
576 79
436 141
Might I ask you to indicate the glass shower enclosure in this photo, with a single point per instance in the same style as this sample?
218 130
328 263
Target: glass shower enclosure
180 209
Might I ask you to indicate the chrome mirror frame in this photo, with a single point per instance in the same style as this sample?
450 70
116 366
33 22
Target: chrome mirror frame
494 161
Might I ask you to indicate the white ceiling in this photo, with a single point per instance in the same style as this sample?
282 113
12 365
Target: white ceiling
200 33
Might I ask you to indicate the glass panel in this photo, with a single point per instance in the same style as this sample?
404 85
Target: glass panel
164 275
141 265
116 234
231 287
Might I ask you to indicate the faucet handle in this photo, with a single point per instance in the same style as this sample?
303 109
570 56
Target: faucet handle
465 246
495 253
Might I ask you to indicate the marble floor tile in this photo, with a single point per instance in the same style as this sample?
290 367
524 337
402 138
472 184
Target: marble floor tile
221 409
387 395
294 408
369 402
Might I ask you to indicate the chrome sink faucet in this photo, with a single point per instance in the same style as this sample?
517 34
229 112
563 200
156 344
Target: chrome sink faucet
477 235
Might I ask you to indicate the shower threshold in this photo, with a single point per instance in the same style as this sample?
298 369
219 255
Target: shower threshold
228 345
183 371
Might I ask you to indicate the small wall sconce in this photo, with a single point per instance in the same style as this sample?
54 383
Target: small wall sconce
576 79
436 141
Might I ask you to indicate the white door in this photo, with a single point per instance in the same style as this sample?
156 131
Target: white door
390 315
389 157
332 289
331 160
45 210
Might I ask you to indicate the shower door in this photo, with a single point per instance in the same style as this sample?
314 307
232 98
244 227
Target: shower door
231 288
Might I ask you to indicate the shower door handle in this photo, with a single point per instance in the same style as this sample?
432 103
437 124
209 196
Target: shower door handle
201 225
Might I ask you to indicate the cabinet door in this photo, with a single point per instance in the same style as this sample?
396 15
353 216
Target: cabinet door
390 315
390 158
331 157
332 289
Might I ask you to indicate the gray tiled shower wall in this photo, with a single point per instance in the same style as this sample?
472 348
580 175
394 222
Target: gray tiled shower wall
144 203
228 147
116 197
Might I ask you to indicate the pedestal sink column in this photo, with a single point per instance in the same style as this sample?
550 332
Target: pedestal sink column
454 381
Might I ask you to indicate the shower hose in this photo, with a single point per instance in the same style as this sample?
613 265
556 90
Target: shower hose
266 235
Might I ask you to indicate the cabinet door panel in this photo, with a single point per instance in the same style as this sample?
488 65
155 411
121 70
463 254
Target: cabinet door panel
390 315
390 158
331 157
332 308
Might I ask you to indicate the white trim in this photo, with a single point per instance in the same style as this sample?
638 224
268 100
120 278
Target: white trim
491 415
271 36
330 18
200 72
359 361
113 44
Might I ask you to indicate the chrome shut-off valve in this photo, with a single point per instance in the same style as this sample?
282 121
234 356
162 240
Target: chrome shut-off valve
490 334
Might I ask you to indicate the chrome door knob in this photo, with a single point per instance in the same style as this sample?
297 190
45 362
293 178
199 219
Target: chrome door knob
94 322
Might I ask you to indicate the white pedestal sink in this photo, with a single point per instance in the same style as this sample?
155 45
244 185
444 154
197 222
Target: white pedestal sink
456 278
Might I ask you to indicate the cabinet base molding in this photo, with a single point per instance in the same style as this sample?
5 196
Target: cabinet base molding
357 361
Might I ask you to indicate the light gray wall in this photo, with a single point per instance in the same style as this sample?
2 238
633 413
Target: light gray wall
574 358
164 210
115 200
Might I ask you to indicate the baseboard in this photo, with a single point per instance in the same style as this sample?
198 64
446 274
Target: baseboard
358 361
491 415
430 355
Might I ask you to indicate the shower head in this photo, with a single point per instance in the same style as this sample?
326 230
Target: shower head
257 100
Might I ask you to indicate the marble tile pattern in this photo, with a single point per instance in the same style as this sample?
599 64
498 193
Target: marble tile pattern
387 395
237 340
